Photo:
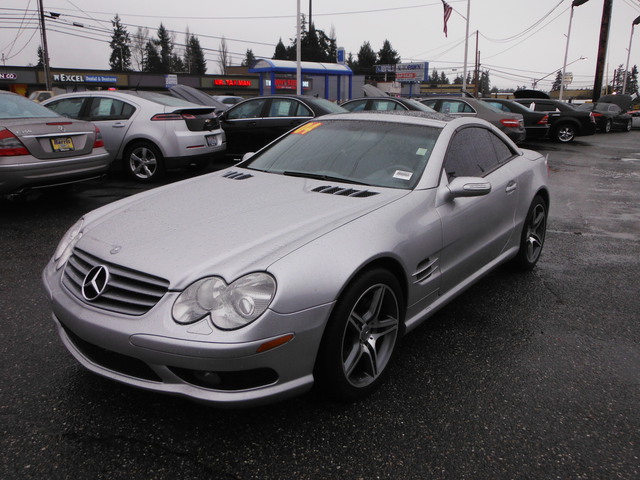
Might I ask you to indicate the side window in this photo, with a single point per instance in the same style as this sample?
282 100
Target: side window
249 109
109 109
302 111
430 103
68 107
386 105
471 153
503 152
544 107
455 106
500 106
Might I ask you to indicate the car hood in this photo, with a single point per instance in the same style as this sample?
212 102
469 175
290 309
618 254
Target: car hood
623 101
227 223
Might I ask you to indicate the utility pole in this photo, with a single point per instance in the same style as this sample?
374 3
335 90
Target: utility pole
602 48
45 49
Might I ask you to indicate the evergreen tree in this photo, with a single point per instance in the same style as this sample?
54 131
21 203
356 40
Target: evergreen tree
459 80
166 49
194 61
557 82
485 84
387 55
435 77
151 61
444 80
281 51
40 54
120 59
249 59
632 81
366 59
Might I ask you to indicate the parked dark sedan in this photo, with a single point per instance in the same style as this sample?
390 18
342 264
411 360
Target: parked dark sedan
565 121
535 123
511 124
610 112
252 124
385 104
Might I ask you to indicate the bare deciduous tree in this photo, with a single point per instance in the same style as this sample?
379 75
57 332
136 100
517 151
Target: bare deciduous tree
138 43
223 56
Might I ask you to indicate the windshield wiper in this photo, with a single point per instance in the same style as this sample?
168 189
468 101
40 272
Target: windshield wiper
318 176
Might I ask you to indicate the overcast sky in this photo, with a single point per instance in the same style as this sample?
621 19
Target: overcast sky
518 40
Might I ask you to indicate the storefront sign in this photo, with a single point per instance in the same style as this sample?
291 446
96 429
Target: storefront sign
288 84
8 76
170 80
100 79
412 72
65 78
229 82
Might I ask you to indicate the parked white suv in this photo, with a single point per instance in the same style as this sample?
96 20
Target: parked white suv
147 133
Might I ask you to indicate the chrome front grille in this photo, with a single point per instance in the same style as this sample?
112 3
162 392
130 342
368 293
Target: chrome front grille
128 291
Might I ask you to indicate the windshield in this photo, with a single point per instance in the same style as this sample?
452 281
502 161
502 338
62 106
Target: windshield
16 106
376 153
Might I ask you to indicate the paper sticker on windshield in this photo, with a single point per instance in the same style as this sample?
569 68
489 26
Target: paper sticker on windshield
307 127
422 152
402 175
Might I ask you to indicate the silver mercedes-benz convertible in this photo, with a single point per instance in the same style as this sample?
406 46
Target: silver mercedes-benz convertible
303 264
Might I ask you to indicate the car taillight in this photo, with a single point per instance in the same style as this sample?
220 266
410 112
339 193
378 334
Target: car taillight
510 122
188 116
166 116
544 120
596 114
10 145
98 142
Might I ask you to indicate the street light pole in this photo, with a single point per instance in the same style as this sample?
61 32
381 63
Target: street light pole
299 54
624 82
576 3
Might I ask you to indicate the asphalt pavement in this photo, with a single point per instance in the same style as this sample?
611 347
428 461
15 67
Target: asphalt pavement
525 376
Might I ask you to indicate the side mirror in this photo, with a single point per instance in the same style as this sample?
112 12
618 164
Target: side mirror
248 155
468 187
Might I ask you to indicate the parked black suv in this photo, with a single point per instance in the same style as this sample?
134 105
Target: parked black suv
565 121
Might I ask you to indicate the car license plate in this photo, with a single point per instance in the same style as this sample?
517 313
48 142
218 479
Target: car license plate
212 140
62 144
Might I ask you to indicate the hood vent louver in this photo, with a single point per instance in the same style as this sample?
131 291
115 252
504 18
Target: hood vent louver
345 192
237 175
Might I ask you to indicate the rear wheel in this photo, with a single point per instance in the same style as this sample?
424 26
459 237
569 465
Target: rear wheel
627 127
607 126
565 132
144 162
361 337
532 237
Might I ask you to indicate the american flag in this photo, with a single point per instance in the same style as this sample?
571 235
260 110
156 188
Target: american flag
447 14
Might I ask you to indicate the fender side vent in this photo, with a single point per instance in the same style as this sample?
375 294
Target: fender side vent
425 269
345 192
237 175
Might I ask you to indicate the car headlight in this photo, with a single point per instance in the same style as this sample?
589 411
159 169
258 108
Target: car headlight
229 306
69 240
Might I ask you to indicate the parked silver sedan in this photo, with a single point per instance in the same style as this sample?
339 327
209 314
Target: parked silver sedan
147 133
305 263
39 148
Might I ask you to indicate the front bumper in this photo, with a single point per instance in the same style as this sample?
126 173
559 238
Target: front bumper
197 361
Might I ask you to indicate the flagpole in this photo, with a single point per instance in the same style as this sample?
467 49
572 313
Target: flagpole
466 48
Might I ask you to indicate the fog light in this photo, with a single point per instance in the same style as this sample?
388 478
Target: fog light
210 378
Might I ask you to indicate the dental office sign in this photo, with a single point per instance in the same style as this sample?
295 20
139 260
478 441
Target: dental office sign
412 72
76 78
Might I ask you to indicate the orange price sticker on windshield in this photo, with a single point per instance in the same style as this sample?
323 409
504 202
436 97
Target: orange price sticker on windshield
306 128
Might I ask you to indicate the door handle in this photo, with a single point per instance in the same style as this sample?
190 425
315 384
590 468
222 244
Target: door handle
511 186
252 124
118 125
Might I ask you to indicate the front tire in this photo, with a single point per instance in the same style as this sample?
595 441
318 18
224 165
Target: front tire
532 236
144 162
361 336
